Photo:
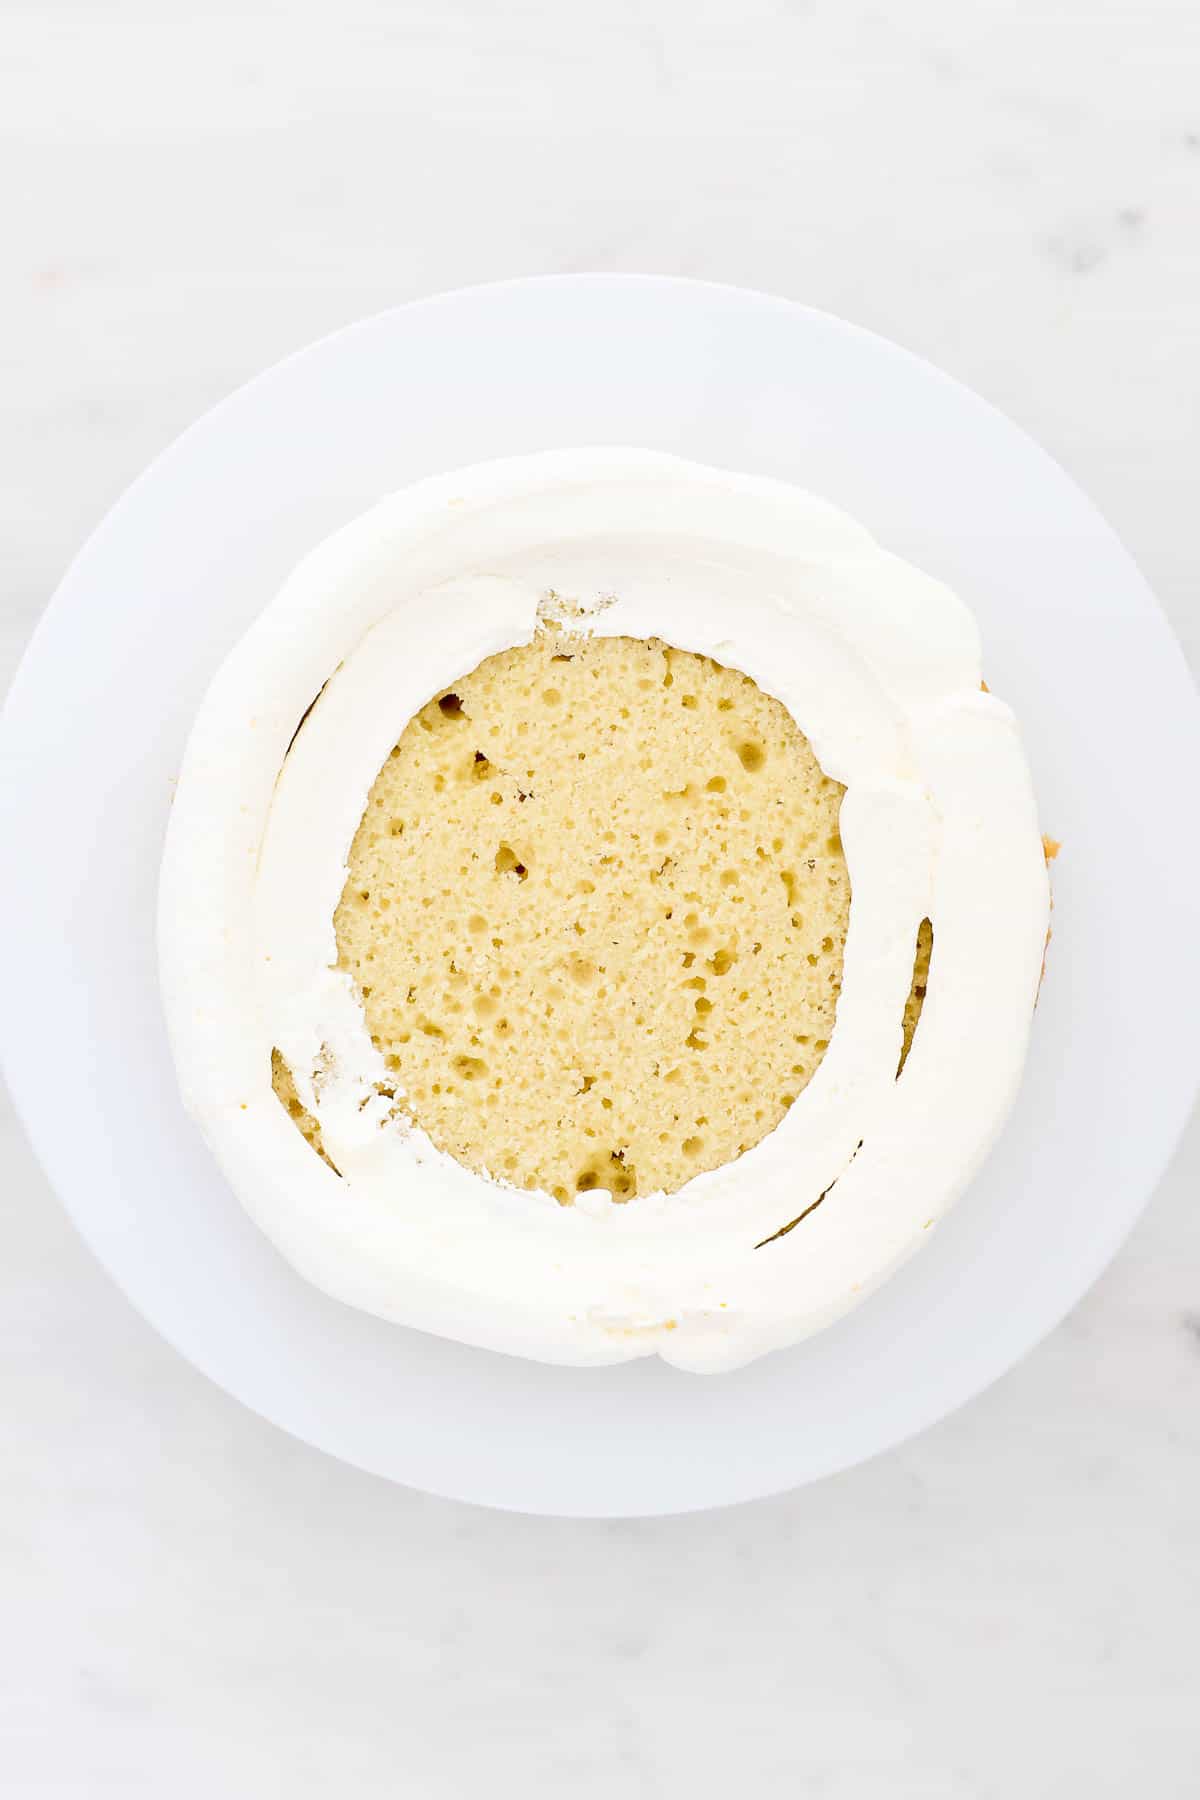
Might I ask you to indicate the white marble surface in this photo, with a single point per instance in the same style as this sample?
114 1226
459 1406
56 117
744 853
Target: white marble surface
192 1603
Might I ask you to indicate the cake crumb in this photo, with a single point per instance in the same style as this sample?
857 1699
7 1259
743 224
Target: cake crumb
552 902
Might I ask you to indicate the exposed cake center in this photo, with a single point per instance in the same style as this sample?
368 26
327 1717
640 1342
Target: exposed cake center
595 911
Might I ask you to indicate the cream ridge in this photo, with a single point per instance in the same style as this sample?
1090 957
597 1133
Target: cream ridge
879 665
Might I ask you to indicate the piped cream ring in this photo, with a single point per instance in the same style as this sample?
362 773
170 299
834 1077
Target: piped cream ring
880 667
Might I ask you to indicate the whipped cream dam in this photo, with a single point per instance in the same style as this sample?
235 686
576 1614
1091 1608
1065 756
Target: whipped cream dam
937 848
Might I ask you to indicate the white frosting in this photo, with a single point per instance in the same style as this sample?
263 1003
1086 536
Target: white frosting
879 665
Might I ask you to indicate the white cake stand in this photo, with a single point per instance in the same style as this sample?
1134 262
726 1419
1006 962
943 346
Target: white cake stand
92 736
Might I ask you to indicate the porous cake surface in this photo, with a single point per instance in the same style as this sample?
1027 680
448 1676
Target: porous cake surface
595 911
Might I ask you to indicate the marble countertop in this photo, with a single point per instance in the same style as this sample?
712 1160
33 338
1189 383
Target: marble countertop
195 1604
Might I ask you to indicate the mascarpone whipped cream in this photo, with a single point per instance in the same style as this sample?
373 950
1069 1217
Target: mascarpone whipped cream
880 667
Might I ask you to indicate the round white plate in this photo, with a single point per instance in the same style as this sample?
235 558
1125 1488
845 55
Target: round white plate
101 707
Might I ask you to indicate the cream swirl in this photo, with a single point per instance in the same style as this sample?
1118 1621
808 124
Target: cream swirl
879 665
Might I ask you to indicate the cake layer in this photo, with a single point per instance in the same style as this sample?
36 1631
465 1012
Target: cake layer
595 913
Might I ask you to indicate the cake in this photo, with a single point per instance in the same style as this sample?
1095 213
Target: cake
595 913
589 869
